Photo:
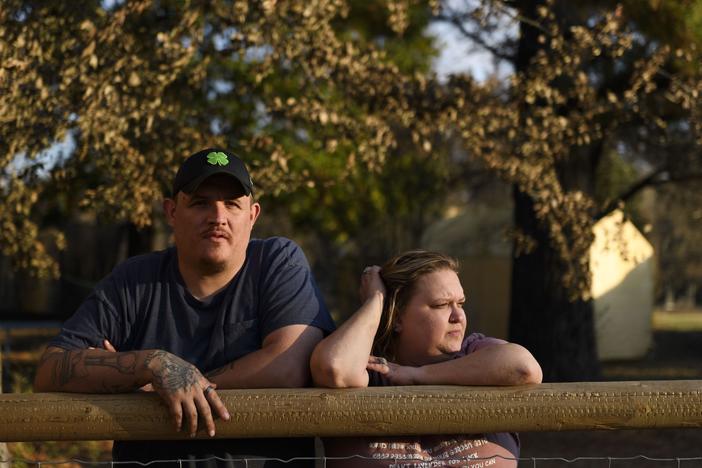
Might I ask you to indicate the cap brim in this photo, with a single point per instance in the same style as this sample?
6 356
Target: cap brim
193 185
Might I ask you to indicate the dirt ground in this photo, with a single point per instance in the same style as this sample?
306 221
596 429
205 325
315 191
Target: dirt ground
674 355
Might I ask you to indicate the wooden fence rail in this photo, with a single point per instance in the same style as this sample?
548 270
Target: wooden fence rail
369 411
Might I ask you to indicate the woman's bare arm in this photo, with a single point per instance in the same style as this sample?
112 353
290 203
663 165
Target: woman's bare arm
495 364
340 360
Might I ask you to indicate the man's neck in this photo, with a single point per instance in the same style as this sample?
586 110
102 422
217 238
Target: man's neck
203 283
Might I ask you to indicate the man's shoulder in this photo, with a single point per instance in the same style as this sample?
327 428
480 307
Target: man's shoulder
146 265
276 247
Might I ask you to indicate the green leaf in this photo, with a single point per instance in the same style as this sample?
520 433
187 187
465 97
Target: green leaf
218 157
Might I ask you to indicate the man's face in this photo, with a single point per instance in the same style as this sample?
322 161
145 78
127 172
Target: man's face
212 225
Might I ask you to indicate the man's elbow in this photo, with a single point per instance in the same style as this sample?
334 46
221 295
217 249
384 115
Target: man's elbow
43 381
40 386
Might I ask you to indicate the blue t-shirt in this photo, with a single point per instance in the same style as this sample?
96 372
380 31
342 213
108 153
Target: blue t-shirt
144 304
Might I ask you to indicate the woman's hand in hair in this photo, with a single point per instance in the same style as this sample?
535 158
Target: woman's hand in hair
371 283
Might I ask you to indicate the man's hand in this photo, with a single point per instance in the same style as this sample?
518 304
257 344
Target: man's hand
186 391
395 373
179 396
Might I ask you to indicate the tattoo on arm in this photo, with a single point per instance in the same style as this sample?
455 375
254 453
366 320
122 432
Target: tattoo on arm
124 363
74 364
67 367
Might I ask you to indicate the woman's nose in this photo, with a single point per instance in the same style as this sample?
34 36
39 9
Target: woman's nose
457 314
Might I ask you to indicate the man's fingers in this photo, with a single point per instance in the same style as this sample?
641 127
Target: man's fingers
108 346
216 404
203 408
190 414
176 413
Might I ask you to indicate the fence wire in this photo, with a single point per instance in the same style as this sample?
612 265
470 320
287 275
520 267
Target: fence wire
321 462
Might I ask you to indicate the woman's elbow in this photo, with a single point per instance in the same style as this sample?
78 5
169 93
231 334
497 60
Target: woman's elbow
524 369
329 375
529 373
528 369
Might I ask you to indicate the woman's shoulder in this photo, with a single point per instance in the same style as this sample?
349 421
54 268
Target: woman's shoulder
475 341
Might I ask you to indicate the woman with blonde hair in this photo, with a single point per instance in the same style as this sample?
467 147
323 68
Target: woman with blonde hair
411 330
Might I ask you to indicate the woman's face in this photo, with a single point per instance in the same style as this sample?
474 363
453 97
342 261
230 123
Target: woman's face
432 325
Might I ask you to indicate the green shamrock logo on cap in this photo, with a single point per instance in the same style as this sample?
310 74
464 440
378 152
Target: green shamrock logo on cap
217 157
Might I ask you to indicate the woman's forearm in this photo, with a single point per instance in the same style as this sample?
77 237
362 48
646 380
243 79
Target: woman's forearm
500 364
340 359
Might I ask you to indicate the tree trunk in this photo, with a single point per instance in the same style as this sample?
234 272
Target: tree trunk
560 333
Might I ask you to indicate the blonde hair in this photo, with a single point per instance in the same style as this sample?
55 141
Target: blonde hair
400 275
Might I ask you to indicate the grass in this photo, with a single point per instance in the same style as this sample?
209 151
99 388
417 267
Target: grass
678 321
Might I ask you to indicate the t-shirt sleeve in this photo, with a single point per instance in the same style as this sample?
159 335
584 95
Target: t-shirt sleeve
290 295
475 341
96 319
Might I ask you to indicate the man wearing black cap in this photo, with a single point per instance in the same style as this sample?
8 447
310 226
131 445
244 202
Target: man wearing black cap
218 310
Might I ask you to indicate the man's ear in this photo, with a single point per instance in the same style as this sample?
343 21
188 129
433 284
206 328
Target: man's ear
255 211
169 206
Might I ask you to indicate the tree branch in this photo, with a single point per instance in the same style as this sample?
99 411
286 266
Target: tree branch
646 181
457 22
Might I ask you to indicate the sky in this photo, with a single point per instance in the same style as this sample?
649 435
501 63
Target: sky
457 55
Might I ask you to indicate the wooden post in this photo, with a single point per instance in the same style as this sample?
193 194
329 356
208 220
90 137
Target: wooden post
370 411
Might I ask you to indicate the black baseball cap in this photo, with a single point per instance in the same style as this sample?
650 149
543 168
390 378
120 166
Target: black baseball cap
209 162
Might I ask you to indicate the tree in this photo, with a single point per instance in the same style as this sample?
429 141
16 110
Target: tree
135 86
313 101
584 86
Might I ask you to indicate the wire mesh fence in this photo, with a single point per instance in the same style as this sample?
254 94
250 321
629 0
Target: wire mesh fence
642 461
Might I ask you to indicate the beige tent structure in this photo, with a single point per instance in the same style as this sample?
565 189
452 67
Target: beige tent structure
622 266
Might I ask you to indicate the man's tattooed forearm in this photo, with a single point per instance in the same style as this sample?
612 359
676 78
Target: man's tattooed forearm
170 372
124 363
67 366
